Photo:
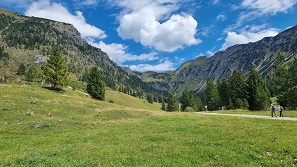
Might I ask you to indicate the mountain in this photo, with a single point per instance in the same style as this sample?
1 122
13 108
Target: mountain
261 54
23 38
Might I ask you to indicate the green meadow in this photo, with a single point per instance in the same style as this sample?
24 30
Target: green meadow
39 127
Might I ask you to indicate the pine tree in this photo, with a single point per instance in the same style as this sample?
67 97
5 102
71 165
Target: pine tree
95 86
211 96
257 93
56 70
224 91
172 103
163 105
185 98
237 89
281 78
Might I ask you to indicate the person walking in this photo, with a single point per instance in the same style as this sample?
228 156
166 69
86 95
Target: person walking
273 110
280 109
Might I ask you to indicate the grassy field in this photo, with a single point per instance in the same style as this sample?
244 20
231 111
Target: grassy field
39 127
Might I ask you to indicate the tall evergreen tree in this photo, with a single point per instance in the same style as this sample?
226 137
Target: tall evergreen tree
257 93
56 70
224 91
290 97
185 98
95 86
237 89
172 103
211 96
281 78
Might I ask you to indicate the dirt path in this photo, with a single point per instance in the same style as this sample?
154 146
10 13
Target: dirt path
250 116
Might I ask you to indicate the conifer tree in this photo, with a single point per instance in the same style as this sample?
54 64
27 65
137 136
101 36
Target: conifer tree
237 92
95 85
56 70
257 93
163 105
185 99
172 103
223 88
211 96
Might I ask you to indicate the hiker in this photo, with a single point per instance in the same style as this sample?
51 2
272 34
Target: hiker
280 109
273 110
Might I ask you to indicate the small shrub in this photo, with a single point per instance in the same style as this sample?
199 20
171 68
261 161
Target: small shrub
111 101
189 109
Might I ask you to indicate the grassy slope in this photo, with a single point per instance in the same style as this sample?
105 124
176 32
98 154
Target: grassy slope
84 132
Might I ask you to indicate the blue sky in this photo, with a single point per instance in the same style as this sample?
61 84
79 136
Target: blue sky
160 35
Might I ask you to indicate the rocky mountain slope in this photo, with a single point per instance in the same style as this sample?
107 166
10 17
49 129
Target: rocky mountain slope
260 54
22 38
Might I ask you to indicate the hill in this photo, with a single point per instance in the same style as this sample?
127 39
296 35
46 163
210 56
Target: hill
23 39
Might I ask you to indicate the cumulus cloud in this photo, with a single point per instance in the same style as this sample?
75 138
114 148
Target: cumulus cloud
271 6
163 66
150 22
118 52
254 33
57 12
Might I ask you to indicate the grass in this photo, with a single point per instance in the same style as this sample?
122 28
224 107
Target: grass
80 131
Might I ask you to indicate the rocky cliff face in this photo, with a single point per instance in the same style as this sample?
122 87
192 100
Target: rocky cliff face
261 55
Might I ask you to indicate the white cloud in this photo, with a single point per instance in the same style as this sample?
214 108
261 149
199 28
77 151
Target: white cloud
118 52
87 2
254 33
150 22
221 17
210 53
57 12
163 66
269 7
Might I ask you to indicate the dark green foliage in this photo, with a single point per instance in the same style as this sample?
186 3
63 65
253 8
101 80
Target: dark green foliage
257 93
30 74
56 70
149 98
21 69
293 72
280 74
172 103
163 106
211 97
188 100
3 53
223 88
237 92
291 98
96 87
185 98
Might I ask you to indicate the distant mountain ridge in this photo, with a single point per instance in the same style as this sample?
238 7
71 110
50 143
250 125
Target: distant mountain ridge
25 37
193 74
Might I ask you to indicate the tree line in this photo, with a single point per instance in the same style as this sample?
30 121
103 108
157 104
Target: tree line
239 91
